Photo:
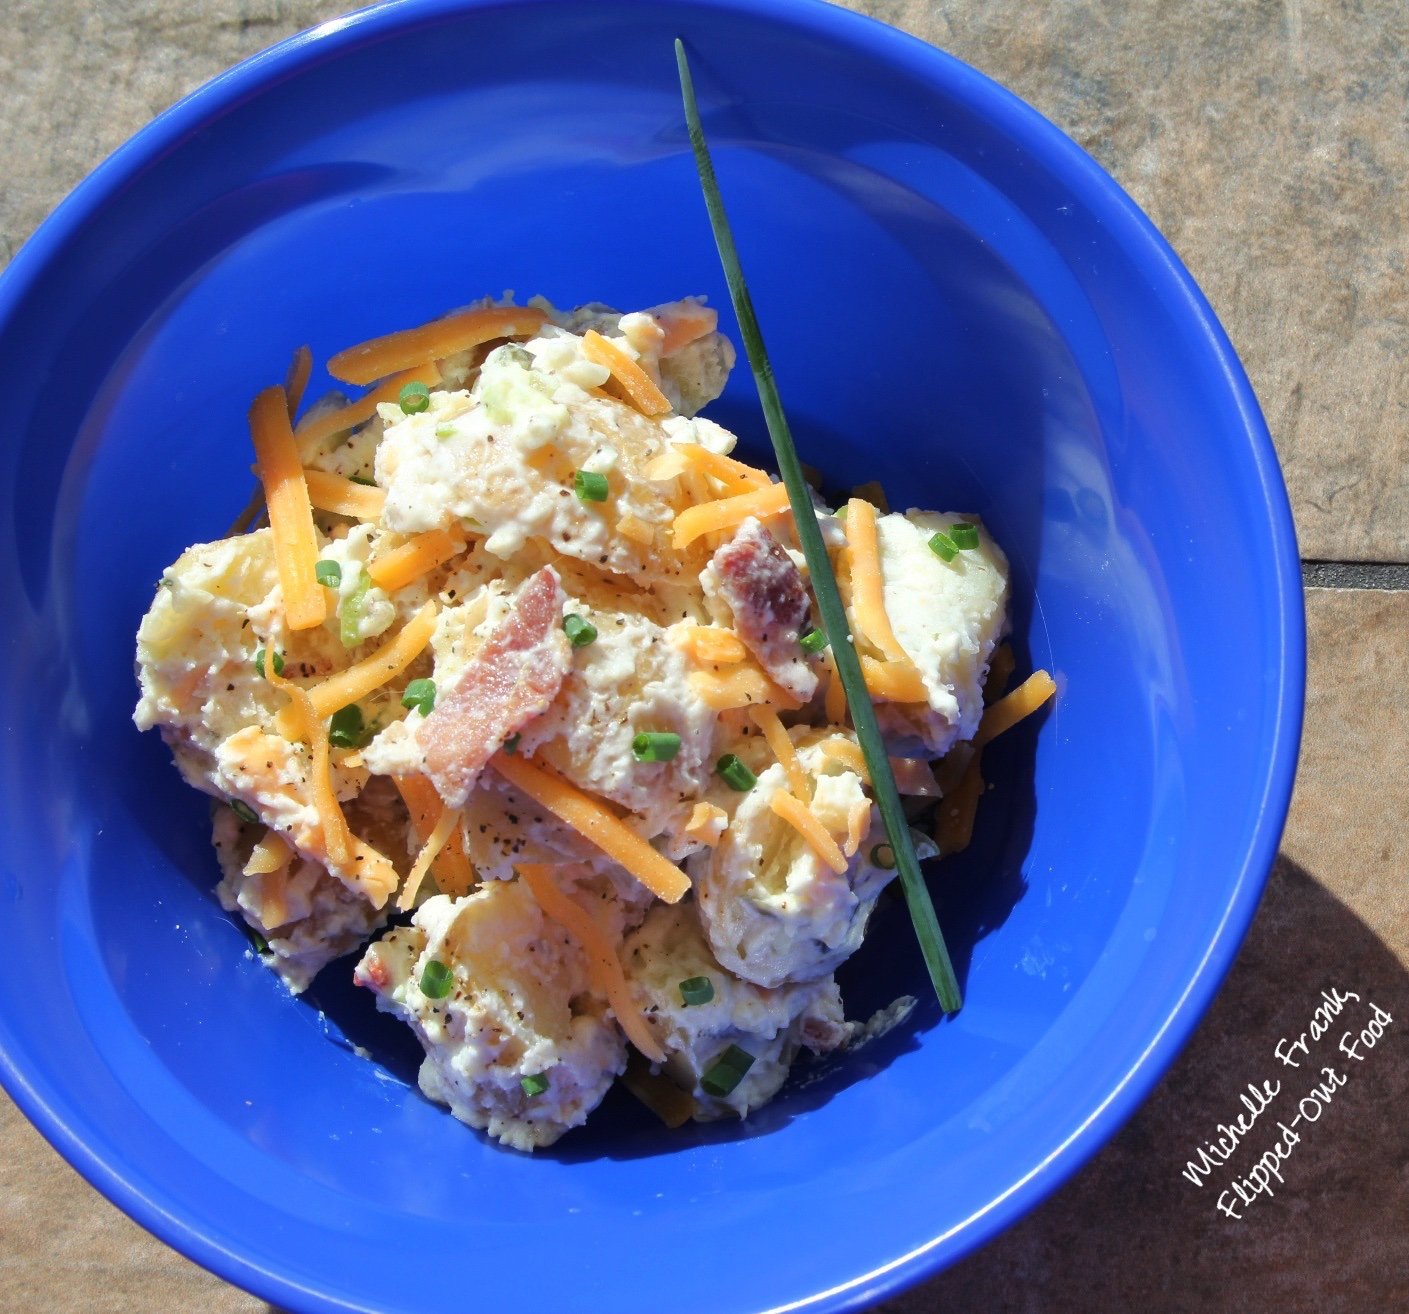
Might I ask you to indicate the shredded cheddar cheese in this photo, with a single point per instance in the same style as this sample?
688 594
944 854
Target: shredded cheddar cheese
711 645
1012 707
594 823
778 740
834 699
355 683
867 586
290 512
848 753
451 865
416 557
296 380
344 497
636 529
893 682
803 820
640 389
447 825
269 854
435 341
744 686
706 824
727 512
315 431
603 965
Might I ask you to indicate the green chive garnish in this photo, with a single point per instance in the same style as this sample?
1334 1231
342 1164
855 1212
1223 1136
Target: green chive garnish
444 430
436 979
590 486
655 745
420 694
534 1084
243 810
813 641
965 536
943 547
257 941
735 773
328 574
883 856
580 632
415 398
363 480
824 584
347 727
511 744
696 990
726 1072
259 662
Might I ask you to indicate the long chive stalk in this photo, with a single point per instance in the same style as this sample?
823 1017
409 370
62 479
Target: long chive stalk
824 583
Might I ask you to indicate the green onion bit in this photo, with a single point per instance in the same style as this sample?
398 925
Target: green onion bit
735 773
965 536
883 856
347 728
534 1084
655 745
943 547
726 1072
243 810
580 632
259 662
511 744
415 398
363 480
260 944
813 641
590 486
328 574
420 694
696 990
444 430
436 979
834 622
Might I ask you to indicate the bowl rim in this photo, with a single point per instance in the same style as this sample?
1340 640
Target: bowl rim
133 1193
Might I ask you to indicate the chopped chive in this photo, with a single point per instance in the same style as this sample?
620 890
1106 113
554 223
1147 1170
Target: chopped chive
363 480
726 1072
534 1084
943 547
415 398
964 536
243 810
511 744
580 632
883 856
347 729
420 694
590 486
655 745
257 941
735 773
328 574
813 641
824 583
259 662
444 430
436 979
696 990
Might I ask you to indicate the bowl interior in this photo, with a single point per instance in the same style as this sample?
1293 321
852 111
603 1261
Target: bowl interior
958 304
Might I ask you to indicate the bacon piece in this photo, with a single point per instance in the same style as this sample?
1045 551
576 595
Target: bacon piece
767 597
511 680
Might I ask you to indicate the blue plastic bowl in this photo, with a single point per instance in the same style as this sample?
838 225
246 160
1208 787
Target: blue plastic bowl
960 303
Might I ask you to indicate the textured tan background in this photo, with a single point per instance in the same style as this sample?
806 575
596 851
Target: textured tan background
1270 142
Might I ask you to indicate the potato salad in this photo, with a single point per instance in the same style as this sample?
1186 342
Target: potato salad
511 681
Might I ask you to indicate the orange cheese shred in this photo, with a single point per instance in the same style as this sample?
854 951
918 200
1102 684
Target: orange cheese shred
1012 707
781 745
454 875
733 476
849 754
603 966
290 512
296 380
269 854
344 497
316 431
355 683
834 699
416 557
954 824
706 824
590 818
867 586
682 323
710 644
727 512
640 389
636 529
893 682
440 338
448 824
801 818
673 1106
744 686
